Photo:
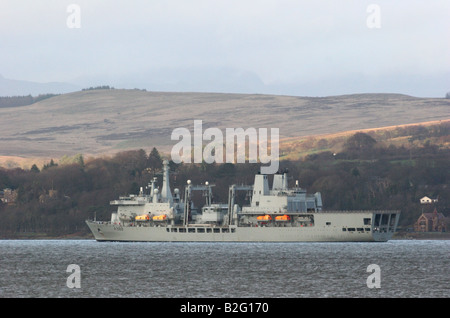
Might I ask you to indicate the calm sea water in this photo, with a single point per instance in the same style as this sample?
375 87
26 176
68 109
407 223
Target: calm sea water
165 270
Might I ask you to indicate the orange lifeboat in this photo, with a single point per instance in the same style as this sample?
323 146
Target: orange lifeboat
264 218
162 217
283 218
144 217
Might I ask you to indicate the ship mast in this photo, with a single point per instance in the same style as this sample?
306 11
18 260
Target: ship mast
166 194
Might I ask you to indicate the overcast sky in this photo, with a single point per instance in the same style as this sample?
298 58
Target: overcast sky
315 48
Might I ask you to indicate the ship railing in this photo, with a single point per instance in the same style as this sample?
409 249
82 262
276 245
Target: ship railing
127 202
362 211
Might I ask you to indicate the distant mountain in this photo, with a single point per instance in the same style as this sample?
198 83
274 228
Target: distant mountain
230 80
194 79
10 87
105 121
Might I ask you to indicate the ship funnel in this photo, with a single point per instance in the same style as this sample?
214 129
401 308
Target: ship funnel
260 188
166 195
280 181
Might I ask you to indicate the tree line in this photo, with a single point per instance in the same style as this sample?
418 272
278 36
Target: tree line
14 101
57 198
97 88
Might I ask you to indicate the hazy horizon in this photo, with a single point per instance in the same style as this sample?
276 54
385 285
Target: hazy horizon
301 48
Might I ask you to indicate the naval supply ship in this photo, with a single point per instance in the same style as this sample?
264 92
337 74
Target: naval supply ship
277 214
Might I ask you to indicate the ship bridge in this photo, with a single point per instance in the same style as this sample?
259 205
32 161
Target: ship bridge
281 198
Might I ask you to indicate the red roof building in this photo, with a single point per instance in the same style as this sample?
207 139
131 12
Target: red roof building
431 222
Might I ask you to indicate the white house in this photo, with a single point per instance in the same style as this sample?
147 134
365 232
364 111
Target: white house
427 200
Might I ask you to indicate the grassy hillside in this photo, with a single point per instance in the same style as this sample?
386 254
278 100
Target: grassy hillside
96 122
407 136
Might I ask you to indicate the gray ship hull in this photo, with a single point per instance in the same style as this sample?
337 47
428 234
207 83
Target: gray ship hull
328 227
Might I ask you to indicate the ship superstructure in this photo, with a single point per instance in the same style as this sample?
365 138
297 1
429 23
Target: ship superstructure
154 208
277 214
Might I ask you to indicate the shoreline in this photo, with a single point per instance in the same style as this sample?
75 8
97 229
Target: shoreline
432 236
421 236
